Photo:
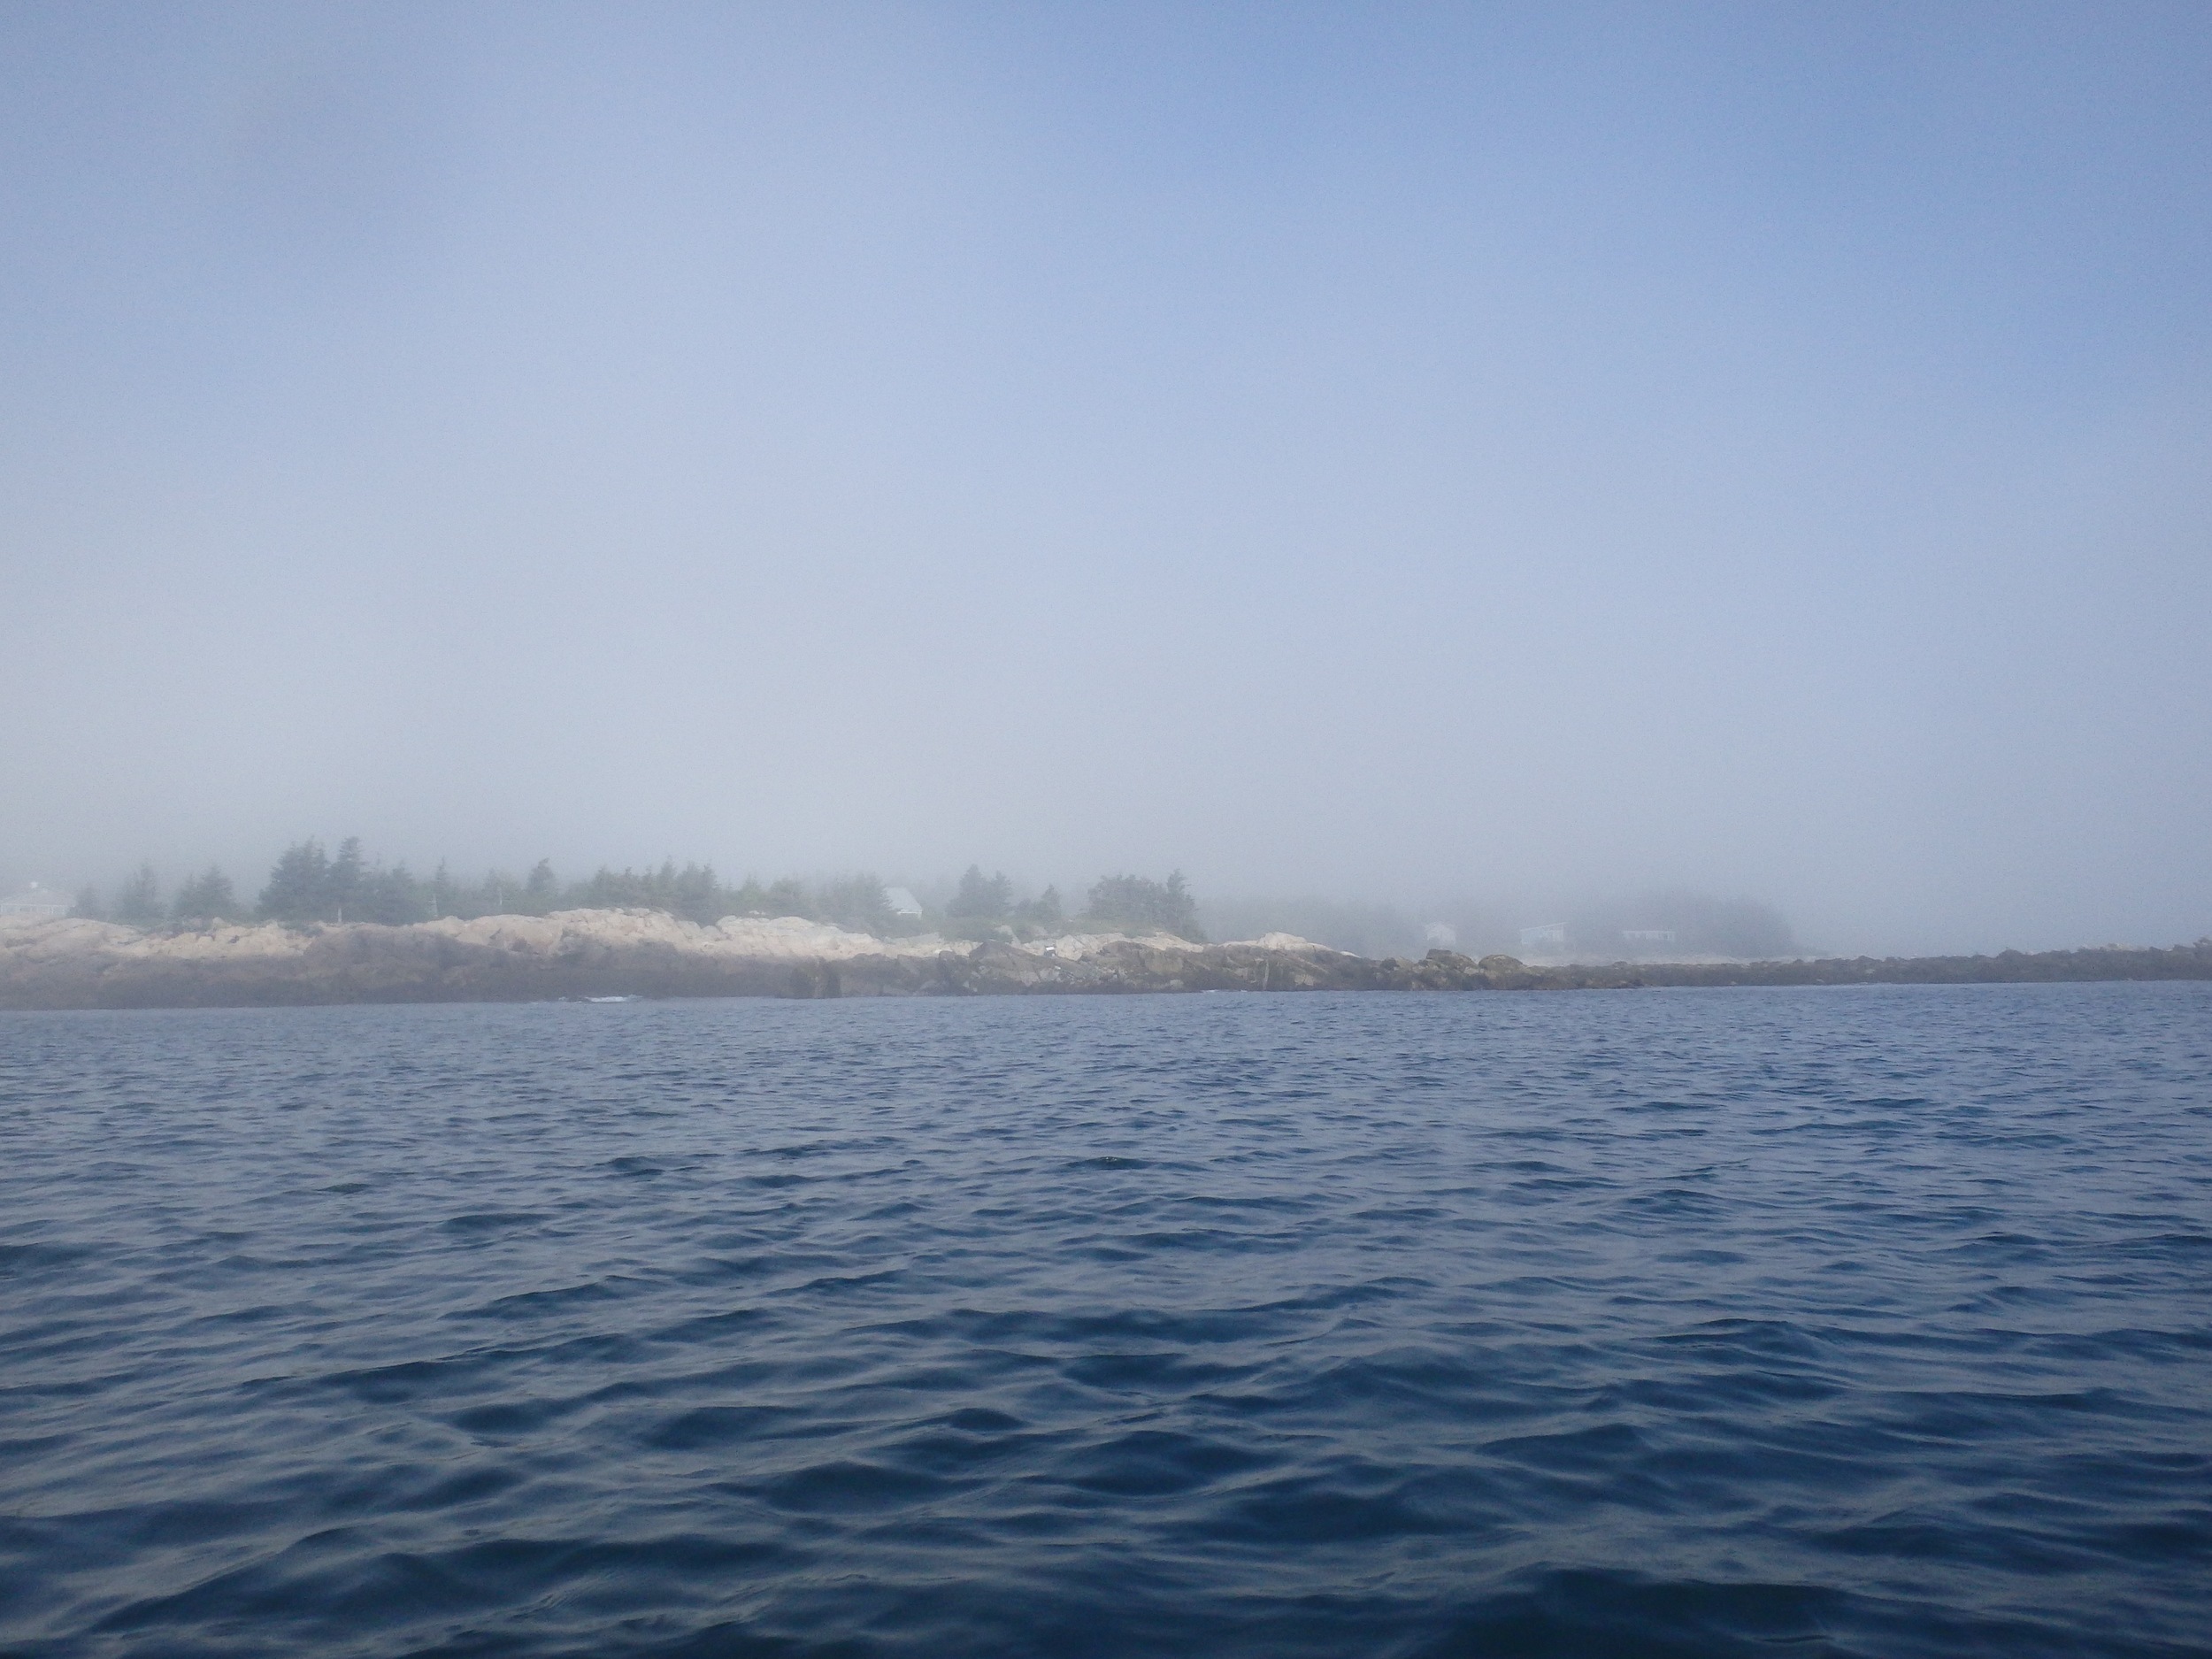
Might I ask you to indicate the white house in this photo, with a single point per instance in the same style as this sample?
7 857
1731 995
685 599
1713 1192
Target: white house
901 902
34 903
1544 936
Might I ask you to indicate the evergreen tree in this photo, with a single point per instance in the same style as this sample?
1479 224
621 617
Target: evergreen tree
346 880
608 891
89 905
392 897
980 897
858 903
541 889
299 887
139 900
207 897
1138 901
444 896
1178 909
1043 911
696 895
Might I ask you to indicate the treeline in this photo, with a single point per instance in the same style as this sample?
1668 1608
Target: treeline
310 885
985 905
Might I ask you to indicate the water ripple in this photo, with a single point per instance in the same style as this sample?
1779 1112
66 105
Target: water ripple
1867 1322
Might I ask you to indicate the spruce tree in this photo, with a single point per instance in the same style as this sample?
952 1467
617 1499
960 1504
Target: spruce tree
347 880
139 900
541 891
299 887
207 897
981 897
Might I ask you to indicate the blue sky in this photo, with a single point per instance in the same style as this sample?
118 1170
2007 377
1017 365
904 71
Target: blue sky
1389 451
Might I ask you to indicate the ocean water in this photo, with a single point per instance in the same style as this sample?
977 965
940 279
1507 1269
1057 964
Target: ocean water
1676 1323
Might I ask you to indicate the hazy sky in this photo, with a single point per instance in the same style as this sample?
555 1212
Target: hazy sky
1385 451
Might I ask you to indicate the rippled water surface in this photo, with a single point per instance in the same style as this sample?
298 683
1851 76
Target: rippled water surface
1696 1323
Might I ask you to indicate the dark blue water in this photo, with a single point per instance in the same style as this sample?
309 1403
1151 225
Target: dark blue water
1688 1323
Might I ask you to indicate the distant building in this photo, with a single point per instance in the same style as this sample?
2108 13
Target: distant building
1544 936
1647 938
34 903
1442 936
901 902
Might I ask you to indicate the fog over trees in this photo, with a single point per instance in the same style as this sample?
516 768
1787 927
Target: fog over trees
308 884
1527 454
1137 902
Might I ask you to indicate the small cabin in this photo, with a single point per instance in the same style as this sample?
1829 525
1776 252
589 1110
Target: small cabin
1544 936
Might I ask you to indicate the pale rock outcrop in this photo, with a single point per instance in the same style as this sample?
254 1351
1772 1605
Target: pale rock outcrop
77 964
71 963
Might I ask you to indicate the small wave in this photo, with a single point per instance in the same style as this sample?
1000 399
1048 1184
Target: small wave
1717 1324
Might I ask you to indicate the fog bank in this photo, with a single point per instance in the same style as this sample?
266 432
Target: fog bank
1425 459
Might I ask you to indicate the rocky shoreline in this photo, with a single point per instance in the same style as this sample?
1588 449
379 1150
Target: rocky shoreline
576 954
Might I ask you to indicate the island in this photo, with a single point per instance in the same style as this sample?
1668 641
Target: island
77 963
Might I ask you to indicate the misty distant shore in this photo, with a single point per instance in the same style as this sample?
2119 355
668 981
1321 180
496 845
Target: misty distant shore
78 963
